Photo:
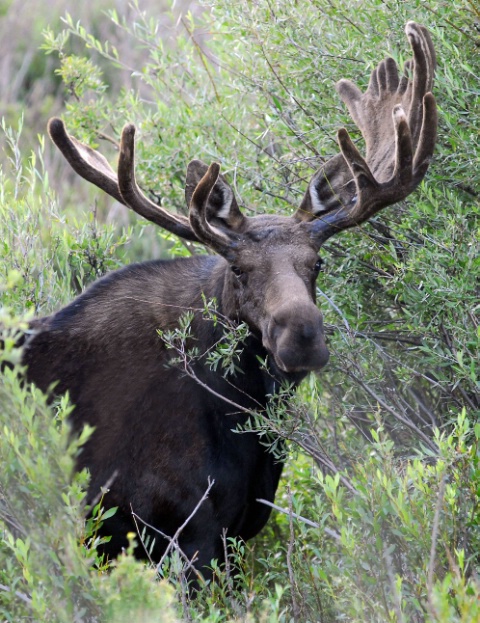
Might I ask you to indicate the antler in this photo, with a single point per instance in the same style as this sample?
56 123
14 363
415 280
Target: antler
222 239
398 120
207 192
93 167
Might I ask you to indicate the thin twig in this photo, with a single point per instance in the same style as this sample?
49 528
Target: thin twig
291 575
189 562
18 594
103 489
192 375
184 597
229 578
228 569
397 601
394 413
248 139
7 515
433 547
187 521
305 441
328 531
202 56
452 24
390 336
110 139
141 540
337 309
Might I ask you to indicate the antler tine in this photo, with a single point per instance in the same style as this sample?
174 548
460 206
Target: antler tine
398 120
136 200
85 161
208 234
424 63
428 135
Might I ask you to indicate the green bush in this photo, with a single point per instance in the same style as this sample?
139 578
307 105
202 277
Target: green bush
384 444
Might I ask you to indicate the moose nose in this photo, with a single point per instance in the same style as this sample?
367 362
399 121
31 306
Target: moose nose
295 338
308 330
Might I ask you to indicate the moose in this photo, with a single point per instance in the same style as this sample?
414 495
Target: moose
161 435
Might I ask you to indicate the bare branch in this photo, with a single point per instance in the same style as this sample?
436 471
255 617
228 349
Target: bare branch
397 601
328 531
174 539
189 562
291 575
18 594
433 547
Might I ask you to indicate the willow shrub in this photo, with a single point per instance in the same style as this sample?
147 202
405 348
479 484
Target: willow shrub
384 443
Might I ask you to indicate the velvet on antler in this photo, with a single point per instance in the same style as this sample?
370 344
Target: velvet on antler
398 119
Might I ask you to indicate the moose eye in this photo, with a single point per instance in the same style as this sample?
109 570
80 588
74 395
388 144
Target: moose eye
318 265
238 272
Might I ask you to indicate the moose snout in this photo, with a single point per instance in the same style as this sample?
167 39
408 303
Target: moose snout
296 339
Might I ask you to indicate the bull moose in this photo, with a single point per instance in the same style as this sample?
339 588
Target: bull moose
161 435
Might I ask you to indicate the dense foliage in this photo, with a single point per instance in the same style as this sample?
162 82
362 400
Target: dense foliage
384 444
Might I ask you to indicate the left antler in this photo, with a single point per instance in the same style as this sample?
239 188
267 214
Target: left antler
398 120
93 167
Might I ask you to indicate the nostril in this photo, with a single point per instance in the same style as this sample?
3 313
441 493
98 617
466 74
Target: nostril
274 329
280 320
294 325
308 331
280 324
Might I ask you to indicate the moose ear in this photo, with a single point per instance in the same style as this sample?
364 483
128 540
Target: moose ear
222 204
330 188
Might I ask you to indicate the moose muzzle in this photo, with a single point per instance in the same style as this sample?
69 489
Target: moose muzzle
296 339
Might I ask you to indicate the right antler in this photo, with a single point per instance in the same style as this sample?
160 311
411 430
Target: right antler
398 120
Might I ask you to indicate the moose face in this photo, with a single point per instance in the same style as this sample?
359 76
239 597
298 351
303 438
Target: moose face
274 267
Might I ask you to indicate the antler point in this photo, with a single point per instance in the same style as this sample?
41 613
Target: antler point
410 28
214 170
399 113
55 126
129 129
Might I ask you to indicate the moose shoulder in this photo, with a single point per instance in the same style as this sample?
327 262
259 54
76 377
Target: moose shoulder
161 435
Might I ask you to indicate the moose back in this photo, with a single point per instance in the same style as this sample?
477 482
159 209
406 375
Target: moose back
162 435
